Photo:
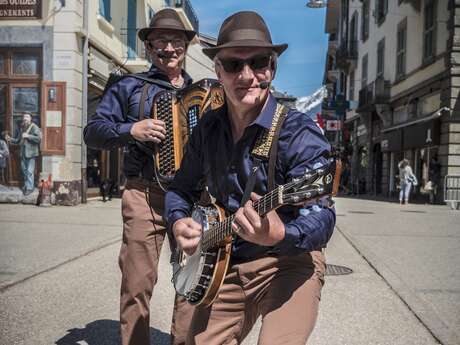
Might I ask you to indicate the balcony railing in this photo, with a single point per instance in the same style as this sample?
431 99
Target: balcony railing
347 53
377 92
188 9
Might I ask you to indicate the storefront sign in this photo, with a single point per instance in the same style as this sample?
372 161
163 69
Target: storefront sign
20 9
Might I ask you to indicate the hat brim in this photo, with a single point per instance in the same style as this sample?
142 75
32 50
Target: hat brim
278 48
144 32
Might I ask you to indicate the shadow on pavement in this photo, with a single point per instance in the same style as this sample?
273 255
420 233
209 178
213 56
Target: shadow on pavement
105 332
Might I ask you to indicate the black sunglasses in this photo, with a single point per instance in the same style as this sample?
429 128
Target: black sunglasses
234 65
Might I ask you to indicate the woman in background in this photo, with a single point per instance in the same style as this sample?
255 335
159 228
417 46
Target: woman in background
4 154
406 180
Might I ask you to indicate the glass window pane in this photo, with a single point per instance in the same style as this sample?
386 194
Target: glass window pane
2 108
25 63
2 99
25 99
2 64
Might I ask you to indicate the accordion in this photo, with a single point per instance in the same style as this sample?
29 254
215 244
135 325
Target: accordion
180 110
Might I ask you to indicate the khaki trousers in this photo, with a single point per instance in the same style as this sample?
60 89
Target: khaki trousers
285 291
143 236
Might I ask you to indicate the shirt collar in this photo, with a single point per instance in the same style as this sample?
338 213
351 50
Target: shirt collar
265 118
155 72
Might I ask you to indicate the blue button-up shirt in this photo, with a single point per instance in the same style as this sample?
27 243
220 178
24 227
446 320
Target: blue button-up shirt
118 110
214 160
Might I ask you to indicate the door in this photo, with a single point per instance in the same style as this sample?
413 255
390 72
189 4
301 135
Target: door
20 74
24 97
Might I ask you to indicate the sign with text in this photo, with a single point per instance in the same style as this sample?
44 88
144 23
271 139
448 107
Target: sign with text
20 9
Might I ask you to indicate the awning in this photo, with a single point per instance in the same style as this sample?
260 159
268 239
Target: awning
432 116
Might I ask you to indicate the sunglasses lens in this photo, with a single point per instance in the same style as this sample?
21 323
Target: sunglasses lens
259 62
236 65
232 65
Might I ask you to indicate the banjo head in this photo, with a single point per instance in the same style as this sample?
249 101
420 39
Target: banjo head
191 272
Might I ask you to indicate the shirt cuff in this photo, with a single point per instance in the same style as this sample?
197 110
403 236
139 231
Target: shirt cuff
124 130
290 240
175 216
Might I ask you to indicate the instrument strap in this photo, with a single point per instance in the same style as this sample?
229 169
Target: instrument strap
145 92
266 148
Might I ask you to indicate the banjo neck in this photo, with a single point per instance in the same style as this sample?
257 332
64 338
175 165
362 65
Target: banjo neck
221 230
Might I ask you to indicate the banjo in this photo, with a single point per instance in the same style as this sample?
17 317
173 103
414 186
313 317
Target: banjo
198 277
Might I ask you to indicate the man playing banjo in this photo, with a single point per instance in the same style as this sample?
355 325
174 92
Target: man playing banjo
277 266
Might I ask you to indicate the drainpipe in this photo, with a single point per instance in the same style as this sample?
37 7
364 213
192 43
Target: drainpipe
84 101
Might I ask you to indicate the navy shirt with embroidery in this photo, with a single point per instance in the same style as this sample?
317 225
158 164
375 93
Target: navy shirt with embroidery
116 113
214 160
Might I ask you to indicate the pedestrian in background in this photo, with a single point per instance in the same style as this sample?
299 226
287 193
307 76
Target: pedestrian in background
28 138
4 154
434 176
407 179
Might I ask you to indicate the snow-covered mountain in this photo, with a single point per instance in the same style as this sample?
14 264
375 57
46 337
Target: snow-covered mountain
311 105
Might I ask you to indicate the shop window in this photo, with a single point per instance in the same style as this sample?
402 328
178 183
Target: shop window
25 64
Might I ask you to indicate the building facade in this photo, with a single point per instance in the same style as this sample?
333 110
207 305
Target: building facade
55 59
395 62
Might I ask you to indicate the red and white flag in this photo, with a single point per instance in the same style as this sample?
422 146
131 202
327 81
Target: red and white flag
333 125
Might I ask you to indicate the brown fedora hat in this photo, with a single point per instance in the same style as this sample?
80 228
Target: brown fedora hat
244 29
167 19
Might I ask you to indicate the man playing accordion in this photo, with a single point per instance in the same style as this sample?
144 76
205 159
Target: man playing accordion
123 119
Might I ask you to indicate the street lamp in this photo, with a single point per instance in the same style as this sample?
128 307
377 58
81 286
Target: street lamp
316 3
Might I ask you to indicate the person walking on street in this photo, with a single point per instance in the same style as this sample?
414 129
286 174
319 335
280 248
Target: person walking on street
434 176
407 179
4 155
277 266
29 139
116 124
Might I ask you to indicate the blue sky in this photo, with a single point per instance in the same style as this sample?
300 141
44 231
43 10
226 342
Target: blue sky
301 67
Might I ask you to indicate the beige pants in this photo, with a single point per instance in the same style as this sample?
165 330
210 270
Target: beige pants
285 291
143 236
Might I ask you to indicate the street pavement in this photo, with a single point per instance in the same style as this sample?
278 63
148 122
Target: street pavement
59 279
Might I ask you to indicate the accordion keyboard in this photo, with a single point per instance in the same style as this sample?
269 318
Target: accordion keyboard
166 149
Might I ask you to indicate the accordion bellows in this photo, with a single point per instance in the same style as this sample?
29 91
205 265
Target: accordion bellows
180 110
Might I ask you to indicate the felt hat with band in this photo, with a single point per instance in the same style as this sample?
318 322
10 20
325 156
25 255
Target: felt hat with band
166 19
244 29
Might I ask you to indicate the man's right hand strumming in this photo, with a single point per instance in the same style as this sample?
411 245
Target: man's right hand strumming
187 233
149 130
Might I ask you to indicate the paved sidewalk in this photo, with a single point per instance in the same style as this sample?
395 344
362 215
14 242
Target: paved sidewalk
70 253
415 248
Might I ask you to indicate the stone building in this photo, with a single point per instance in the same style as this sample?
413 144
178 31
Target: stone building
396 63
55 59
